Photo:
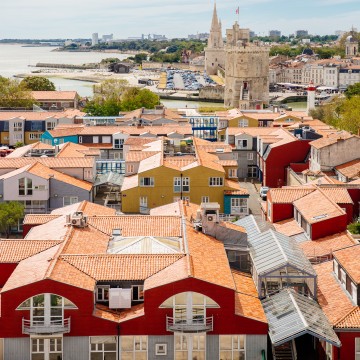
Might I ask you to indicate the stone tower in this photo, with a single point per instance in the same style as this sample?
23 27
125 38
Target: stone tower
214 52
247 71
351 46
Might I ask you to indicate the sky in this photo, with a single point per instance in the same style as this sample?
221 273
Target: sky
40 19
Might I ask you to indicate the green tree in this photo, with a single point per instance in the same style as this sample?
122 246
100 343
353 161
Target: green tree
14 94
38 83
350 115
353 90
18 144
139 58
10 214
135 98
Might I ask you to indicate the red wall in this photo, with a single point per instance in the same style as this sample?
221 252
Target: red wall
299 167
355 196
280 158
349 208
83 323
347 349
328 227
26 229
282 212
5 272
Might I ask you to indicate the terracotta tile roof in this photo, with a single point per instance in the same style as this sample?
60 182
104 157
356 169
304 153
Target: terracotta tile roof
45 172
136 156
177 271
152 114
288 227
106 267
75 150
252 131
230 225
244 283
338 195
208 259
235 192
327 245
168 209
13 251
65 131
87 207
350 320
331 297
54 95
139 225
355 182
287 195
234 185
349 260
136 140
103 312
34 115
316 207
331 139
228 163
350 169
37 219
179 162
8 163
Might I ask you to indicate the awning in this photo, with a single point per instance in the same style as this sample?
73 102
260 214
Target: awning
291 315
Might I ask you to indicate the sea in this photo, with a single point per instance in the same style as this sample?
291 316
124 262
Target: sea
18 59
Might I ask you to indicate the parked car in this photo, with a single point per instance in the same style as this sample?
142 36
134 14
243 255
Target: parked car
263 192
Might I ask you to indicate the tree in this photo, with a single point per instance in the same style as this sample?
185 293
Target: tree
10 214
135 98
353 90
14 94
350 115
139 58
38 83
18 144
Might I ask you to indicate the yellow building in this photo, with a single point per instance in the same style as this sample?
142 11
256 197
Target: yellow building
199 172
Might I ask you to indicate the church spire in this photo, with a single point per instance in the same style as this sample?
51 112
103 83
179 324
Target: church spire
215 21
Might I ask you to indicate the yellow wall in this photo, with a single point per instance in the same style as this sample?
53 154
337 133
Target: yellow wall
163 191
2 137
27 137
235 122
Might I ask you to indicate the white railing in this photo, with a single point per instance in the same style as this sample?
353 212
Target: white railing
189 326
40 327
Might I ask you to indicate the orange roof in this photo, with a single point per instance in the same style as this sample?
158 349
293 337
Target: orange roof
228 163
327 245
287 195
350 169
244 283
45 172
252 131
35 115
350 321
331 139
288 227
337 194
13 251
75 150
65 131
103 312
331 297
316 207
38 219
54 95
234 185
138 225
87 207
16 163
107 267
136 156
349 260
230 225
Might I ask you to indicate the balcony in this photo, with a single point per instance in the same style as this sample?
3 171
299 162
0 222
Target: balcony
189 326
40 328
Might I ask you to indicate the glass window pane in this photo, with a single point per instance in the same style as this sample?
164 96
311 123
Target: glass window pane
242 341
225 355
225 342
37 357
198 299
180 299
110 356
109 347
181 355
25 304
127 343
56 300
55 357
137 343
140 355
144 343
96 356
127 356
38 300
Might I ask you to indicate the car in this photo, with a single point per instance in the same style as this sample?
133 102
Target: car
263 192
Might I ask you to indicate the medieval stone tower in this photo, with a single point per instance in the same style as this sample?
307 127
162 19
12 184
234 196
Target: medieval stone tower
246 70
214 53
351 46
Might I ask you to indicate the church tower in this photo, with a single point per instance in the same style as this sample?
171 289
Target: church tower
214 52
351 46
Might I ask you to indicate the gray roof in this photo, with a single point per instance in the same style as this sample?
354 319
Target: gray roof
109 178
272 250
253 225
291 315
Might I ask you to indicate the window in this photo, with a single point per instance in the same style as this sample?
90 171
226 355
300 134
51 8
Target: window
46 349
106 139
18 126
216 181
80 139
232 173
147 181
232 347
269 210
242 144
189 346
243 123
50 125
25 186
102 293
205 199
88 174
238 206
36 126
17 137
343 277
252 171
95 139
118 143
130 168
103 348
34 136
250 156
69 200
40 187
161 349
137 292
185 184
354 292
6 126
133 348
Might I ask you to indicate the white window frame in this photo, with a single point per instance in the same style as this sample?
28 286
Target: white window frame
343 278
243 123
50 125
140 291
99 347
88 174
216 181
232 173
18 126
151 182
106 139
240 144
234 350
185 187
35 136
139 345
238 206
205 199
354 291
72 200
160 349
47 346
95 139
118 143
102 296
250 156
80 139
28 190
130 168
357 348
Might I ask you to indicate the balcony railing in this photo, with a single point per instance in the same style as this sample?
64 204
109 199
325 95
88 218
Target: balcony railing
189 326
39 327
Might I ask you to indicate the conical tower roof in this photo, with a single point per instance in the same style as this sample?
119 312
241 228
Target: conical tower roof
215 21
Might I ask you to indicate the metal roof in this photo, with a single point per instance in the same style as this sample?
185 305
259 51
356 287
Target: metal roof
291 315
254 226
271 250
109 178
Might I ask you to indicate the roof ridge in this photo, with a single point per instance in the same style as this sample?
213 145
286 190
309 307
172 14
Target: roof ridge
331 200
346 315
61 257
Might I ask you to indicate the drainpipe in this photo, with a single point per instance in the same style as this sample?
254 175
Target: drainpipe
118 340
181 186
